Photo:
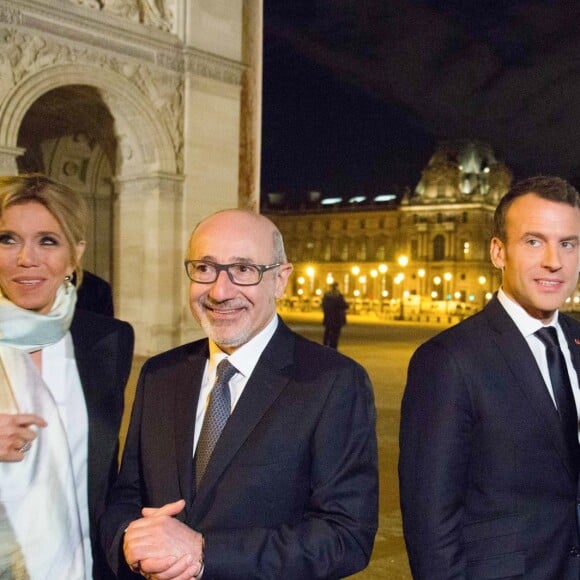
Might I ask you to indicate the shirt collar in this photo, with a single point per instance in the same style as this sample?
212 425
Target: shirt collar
246 356
526 324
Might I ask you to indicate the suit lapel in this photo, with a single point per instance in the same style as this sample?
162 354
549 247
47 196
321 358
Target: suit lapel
189 377
262 389
97 386
519 358
573 338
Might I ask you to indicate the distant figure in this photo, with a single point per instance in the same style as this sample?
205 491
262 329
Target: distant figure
334 306
95 294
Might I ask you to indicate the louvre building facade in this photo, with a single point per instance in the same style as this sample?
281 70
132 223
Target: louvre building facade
425 256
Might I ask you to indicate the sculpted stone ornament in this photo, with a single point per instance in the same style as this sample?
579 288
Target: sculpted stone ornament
89 3
154 13
128 9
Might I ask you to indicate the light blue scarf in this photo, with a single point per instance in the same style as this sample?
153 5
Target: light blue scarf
40 524
28 330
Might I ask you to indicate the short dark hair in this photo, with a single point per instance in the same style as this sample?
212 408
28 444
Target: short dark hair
546 187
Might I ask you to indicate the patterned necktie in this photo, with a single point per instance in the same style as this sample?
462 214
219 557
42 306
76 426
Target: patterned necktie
216 416
561 386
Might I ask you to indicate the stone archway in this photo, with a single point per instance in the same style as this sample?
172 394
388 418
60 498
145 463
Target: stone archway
68 133
144 154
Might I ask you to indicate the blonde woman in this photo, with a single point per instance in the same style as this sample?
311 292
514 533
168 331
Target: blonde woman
62 379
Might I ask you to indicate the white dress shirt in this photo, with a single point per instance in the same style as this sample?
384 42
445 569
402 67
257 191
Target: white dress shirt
245 358
528 325
60 373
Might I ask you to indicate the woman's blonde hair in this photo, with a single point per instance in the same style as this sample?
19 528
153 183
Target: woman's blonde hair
68 207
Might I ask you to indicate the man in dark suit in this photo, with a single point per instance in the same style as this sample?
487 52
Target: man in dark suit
290 490
95 294
488 475
334 307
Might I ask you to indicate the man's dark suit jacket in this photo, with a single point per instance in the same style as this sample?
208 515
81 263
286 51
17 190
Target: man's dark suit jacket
95 294
291 488
488 489
103 350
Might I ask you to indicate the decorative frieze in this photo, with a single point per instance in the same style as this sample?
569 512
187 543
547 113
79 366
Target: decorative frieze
22 54
152 13
10 15
218 69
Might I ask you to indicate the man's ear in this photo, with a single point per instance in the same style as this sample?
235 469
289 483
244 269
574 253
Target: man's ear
282 278
497 253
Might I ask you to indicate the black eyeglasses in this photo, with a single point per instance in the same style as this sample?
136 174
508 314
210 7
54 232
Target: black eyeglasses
203 272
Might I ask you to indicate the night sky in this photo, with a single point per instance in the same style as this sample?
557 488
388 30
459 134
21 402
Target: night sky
356 95
324 134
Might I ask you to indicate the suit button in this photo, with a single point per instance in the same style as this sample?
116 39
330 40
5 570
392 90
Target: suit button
574 552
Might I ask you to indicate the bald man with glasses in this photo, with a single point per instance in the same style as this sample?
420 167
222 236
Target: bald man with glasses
252 453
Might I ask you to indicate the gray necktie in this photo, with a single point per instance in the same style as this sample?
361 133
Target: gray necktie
561 386
216 416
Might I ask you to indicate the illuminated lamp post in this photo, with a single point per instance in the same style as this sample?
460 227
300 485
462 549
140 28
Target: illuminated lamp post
300 291
355 270
482 281
447 277
421 273
398 280
363 284
310 272
383 269
437 282
403 261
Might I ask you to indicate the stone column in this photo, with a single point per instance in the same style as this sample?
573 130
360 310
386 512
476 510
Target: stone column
148 277
8 156
251 106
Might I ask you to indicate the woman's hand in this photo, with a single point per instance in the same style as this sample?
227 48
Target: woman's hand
17 435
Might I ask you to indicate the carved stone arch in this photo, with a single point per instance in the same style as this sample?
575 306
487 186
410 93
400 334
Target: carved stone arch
144 142
148 186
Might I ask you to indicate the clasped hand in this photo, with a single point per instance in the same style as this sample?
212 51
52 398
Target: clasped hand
160 547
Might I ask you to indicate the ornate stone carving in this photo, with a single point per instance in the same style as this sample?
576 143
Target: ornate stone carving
156 13
153 13
166 93
128 9
10 15
89 3
23 54
206 66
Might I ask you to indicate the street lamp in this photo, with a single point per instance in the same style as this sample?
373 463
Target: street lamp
373 274
300 292
482 281
437 282
421 273
383 269
398 280
310 271
355 270
447 277
403 262
363 282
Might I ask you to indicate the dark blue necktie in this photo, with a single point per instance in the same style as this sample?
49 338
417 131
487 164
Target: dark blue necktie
562 387
216 416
